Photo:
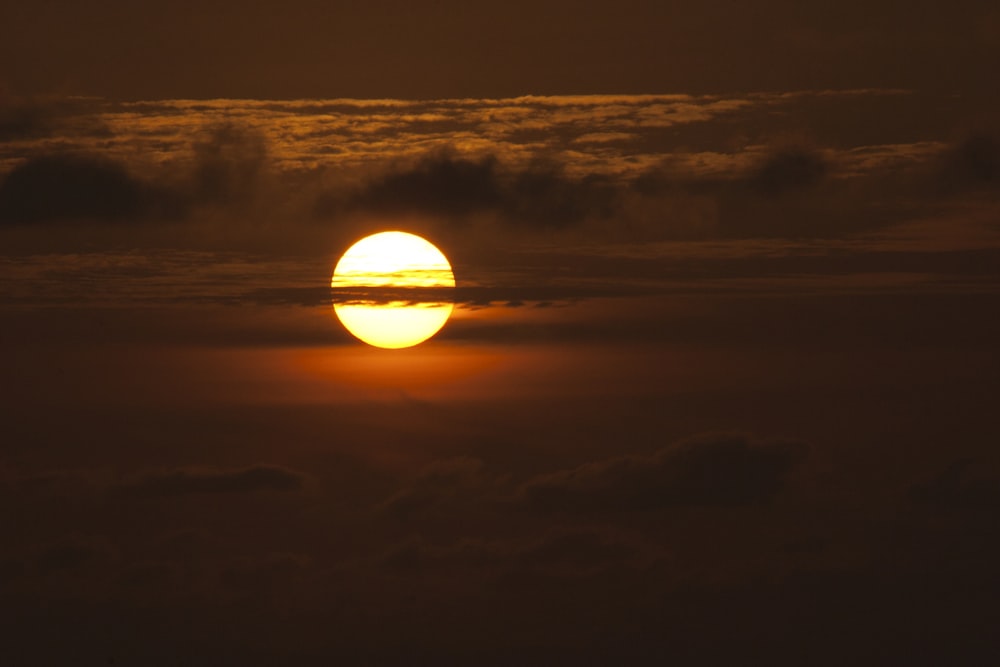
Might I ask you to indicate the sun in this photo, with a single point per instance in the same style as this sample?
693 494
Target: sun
393 289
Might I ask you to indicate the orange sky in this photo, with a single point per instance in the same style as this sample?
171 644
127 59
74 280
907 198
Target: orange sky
719 386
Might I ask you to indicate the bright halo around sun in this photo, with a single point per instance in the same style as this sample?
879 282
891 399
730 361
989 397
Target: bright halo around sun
393 289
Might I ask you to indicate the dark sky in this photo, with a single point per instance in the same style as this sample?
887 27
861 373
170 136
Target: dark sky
719 387
450 48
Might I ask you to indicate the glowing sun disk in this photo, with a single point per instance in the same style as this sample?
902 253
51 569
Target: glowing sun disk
393 260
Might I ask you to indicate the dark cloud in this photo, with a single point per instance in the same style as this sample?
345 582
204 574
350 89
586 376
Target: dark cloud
788 192
470 296
202 480
229 163
33 118
792 191
71 187
787 170
438 483
539 195
722 172
973 162
709 470
544 196
227 169
439 184
572 552
706 470
22 121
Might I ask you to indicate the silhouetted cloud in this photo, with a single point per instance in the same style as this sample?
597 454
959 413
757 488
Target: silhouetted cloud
22 121
229 162
68 187
791 169
440 184
775 190
540 194
437 483
706 470
764 192
526 169
544 196
71 119
184 481
713 470
569 552
227 169
973 162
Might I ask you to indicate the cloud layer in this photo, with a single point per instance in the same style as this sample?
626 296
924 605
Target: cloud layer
622 168
710 470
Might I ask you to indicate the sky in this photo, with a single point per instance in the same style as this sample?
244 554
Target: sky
719 385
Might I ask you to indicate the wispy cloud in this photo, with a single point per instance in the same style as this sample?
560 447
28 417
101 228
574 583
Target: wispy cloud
590 134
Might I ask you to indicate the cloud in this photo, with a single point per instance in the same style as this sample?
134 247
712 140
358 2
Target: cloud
575 163
571 552
68 187
540 195
465 167
766 191
227 168
973 162
229 163
791 169
544 196
75 119
436 484
184 481
438 184
22 121
722 470
707 470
